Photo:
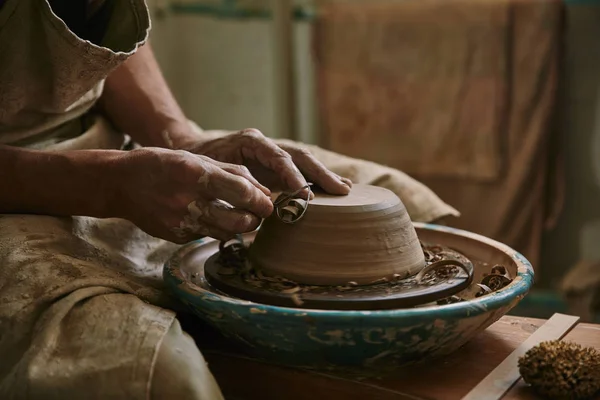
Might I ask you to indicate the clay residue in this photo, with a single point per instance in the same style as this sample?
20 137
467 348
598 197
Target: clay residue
191 222
167 138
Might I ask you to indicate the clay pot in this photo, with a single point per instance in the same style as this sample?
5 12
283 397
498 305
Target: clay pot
359 238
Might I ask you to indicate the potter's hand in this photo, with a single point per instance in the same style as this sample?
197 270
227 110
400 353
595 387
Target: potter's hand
278 167
176 195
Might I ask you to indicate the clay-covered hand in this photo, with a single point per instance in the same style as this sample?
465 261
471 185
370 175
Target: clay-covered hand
284 167
180 196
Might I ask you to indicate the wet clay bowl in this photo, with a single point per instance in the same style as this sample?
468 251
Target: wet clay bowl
366 340
364 237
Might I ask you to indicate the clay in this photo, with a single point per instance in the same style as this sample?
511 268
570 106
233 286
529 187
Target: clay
191 222
362 237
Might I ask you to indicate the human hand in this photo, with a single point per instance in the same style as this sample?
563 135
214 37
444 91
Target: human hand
284 167
178 196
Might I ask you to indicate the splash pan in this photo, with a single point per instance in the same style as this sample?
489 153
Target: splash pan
326 339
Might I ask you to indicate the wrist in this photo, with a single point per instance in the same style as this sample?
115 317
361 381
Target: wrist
181 136
99 175
172 135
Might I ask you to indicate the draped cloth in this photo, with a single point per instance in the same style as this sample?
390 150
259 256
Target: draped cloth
460 94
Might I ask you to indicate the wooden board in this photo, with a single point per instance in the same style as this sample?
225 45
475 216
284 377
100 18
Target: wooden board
505 375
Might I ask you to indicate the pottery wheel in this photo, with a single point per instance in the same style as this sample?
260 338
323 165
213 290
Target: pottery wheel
447 272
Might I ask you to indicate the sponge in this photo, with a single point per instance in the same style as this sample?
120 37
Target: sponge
562 370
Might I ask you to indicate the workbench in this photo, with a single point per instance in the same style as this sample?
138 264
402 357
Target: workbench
448 378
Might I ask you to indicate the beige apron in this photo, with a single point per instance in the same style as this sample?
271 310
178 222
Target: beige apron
83 313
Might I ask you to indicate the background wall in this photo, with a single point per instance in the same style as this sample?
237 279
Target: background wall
223 73
223 70
577 235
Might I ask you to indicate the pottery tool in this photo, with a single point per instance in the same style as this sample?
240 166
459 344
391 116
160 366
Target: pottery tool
505 375
288 208
358 252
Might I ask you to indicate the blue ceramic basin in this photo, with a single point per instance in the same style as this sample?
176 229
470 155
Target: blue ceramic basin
326 339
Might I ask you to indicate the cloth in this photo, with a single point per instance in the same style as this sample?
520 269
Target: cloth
181 371
53 77
82 310
83 314
478 69
407 81
85 18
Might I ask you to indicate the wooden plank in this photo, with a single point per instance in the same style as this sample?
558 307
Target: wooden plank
247 379
505 375
583 334
456 374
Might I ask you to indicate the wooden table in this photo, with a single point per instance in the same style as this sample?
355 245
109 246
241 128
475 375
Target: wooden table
449 379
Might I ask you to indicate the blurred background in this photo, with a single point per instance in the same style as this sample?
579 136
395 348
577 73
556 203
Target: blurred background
494 104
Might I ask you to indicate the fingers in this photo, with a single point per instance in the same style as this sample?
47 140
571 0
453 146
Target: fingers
288 164
317 173
346 181
242 171
228 219
191 227
256 146
215 219
237 191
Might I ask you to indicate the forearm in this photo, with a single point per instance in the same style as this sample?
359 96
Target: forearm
57 183
139 102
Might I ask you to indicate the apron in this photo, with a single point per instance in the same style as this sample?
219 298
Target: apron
52 77
82 310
